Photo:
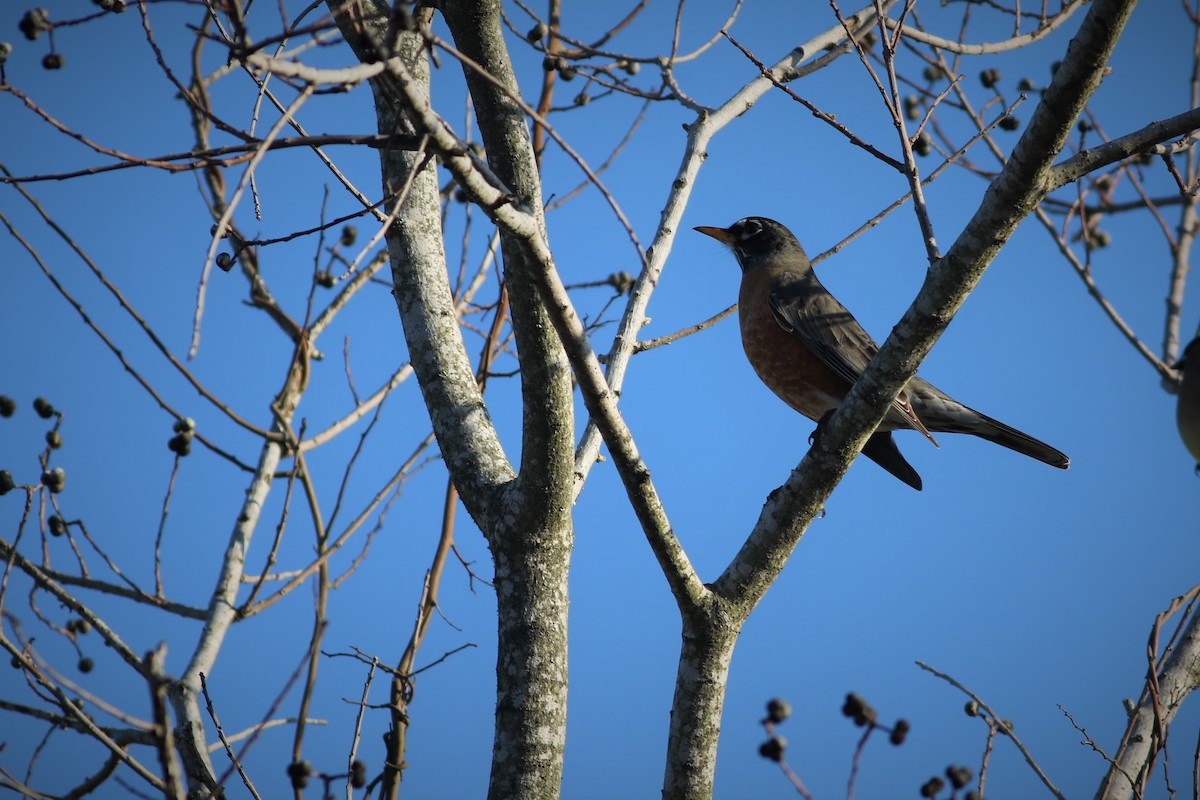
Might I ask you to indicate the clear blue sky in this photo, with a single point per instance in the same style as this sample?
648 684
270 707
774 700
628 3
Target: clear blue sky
1032 586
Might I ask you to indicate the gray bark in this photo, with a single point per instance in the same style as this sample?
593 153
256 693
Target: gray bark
705 655
185 692
1146 736
525 515
531 554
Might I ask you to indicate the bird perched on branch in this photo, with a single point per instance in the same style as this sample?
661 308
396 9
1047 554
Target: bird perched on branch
1187 412
809 350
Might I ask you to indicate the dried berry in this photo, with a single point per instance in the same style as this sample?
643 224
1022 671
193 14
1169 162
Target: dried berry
57 525
778 709
43 408
53 440
621 281
958 776
912 108
8 406
54 479
537 32
859 710
34 22
53 61
180 444
773 748
299 772
6 482
989 78
923 146
932 786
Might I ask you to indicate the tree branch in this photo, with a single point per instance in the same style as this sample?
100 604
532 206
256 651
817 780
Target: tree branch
1139 141
985 48
466 435
1167 684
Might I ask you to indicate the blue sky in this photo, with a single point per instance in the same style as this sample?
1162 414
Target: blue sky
1032 586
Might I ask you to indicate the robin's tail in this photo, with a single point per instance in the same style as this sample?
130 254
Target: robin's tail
995 431
943 414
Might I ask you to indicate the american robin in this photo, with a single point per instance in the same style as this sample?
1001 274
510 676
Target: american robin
1187 412
809 350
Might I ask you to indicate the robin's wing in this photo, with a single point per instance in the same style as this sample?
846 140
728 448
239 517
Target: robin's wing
806 310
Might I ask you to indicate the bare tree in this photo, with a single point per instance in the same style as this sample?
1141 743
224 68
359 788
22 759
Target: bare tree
508 301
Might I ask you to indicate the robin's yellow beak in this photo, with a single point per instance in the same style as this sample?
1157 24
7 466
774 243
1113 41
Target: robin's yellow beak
722 235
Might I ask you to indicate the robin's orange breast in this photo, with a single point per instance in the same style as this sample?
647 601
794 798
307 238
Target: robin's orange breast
788 368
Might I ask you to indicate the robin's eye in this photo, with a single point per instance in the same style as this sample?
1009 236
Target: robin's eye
748 228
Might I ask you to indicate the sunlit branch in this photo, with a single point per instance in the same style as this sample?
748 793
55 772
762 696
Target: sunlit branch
1014 43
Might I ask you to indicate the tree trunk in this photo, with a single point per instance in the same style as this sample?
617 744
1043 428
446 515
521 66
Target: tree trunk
704 660
525 516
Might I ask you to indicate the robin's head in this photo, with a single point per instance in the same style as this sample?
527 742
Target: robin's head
759 242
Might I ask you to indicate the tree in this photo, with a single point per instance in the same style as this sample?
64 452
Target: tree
518 473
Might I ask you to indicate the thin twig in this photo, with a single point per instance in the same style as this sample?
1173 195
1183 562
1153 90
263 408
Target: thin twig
1090 742
650 344
1007 728
233 759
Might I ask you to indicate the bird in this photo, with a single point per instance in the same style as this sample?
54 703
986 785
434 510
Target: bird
1187 410
809 350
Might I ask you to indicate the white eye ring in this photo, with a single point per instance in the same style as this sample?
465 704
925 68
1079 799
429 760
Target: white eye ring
749 227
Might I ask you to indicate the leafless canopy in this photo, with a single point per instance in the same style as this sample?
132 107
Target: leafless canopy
438 217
